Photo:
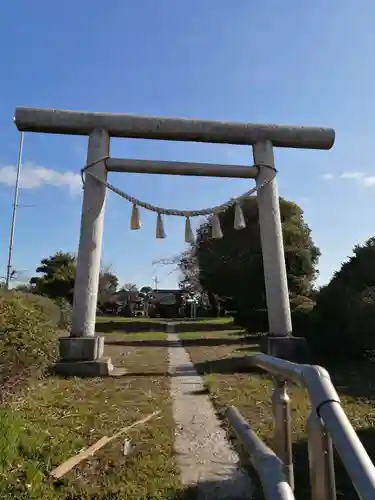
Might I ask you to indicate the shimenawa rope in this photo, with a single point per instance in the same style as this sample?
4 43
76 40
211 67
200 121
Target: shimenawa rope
239 222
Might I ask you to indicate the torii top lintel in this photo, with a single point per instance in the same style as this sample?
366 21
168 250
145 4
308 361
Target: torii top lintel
55 121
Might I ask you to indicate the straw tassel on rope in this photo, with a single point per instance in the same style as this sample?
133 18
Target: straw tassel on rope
135 221
217 233
213 212
239 219
160 233
189 235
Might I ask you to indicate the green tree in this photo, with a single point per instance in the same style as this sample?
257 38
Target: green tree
58 277
189 270
145 293
231 268
107 287
129 287
344 315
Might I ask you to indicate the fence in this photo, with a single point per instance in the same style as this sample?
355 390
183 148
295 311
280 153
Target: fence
327 425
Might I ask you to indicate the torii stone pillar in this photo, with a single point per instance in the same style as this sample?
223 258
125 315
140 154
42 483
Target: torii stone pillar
279 341
82 352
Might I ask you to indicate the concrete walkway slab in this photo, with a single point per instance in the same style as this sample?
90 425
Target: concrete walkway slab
204 456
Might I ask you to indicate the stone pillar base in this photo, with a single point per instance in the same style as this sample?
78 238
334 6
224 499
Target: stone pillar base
99 368
82 357
290 348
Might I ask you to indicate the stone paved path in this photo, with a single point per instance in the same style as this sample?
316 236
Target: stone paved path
204 456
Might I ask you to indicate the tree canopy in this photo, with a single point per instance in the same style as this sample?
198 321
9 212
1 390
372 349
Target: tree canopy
108 284
58 276
129 287
344 315
232 267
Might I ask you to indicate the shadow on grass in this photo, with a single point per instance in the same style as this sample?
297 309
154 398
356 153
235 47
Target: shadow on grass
249 346
241 331
230 366
213 341
160 326
238 488
355 379
205 327
144 374
219 490
344 486
129 327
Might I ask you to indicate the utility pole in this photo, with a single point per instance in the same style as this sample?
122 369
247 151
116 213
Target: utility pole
15 205
156 281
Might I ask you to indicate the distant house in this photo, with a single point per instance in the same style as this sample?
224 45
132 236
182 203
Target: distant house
123 302
126 297
166 303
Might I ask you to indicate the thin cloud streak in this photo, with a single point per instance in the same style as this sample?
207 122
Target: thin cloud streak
34 176
359 177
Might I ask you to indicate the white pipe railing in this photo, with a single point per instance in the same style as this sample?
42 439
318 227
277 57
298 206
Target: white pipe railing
266 463
326 424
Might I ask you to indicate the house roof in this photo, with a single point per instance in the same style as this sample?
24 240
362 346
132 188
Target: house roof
126 295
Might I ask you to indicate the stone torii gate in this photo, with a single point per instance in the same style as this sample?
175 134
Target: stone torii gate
82 352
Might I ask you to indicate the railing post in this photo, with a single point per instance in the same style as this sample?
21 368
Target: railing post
282 427
321 464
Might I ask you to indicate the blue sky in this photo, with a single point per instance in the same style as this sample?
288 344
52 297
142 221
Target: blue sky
298 62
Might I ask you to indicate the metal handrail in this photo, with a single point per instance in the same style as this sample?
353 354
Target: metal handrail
326 424
266 463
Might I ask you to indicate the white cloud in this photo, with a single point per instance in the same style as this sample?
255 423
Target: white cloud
369 181
327 177
352 175
303 200
362 178
366 180
33 176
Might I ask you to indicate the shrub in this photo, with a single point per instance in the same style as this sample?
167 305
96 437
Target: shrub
65 309
28 336
43 304
344 326
253 320
58 310
256 320
343 321
301 309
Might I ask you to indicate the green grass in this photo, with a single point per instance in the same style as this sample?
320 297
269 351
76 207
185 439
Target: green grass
118 335
122 319
58 417
251 393
141 319
213 321
221 334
